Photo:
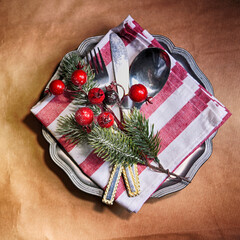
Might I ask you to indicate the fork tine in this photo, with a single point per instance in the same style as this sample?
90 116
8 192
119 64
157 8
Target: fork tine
92 63
102 62
98 64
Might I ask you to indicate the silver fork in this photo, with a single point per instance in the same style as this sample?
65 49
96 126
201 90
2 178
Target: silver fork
100 70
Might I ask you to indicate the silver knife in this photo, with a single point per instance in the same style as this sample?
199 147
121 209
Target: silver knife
120 62
121 73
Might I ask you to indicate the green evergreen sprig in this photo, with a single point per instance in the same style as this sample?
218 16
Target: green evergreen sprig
114 146
138 128
69 64
68 127
96 110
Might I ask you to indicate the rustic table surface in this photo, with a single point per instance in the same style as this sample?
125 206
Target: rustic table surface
37 199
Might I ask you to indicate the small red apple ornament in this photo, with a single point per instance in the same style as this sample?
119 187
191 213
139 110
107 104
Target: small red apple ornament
138 93
79 77
57 87
105 120
96 95
84 116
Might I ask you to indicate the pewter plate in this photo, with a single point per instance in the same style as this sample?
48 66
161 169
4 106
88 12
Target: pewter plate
189 167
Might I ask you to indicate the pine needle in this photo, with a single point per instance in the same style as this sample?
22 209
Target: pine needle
70 64
114 146
68 127
138 128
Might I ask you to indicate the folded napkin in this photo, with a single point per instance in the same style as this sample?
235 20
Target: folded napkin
184 112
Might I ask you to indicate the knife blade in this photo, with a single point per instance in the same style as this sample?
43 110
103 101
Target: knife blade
120 62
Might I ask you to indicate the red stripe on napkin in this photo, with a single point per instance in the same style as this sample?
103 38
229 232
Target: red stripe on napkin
180 121
66 144
155 43
203 96
179 71
53 109
138 28
91 164
128 34
213 98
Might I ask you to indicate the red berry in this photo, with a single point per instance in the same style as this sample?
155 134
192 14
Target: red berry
138 93
84 116
57 87
79 77
105 120
96 95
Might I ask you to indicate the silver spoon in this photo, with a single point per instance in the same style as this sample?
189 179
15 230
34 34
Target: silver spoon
151 68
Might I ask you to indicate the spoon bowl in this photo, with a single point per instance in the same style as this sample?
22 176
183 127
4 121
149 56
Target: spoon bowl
151 67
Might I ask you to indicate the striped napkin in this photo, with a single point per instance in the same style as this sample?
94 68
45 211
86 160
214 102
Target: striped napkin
184 112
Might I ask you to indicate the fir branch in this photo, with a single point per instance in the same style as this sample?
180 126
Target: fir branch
96 109
115 147
91 83
68 127
137 127
70 64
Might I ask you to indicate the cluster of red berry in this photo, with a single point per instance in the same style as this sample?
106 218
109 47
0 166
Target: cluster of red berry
79 77
85 116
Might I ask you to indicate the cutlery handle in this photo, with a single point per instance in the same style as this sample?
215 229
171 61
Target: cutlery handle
131 179
111 189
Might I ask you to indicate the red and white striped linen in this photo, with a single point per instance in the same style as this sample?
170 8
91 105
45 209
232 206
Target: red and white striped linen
184 112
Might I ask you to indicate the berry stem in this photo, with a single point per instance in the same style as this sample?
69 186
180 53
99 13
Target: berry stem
124 93
120 126
148 100
46 91
163 170
120 101
76 91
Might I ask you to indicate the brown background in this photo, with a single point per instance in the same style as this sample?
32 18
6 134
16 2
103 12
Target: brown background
37 200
